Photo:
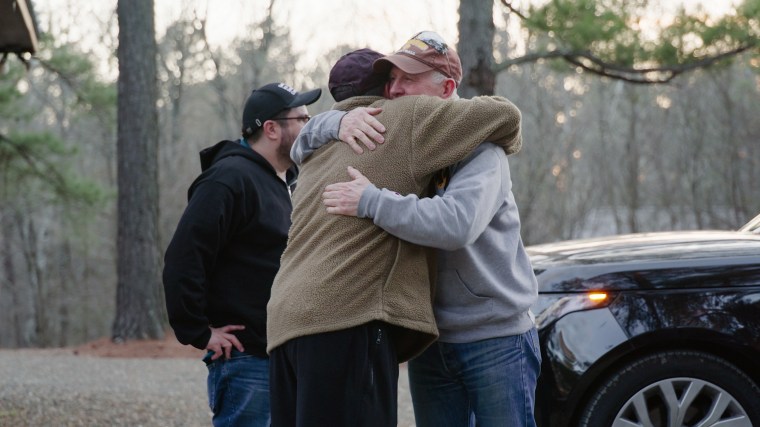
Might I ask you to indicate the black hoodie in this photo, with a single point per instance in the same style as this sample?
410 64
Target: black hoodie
225 253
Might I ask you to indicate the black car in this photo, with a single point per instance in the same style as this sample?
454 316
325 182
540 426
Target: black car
655 329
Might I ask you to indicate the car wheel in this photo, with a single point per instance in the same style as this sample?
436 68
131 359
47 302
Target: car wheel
674 389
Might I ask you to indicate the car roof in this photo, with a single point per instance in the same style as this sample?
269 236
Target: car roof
642 247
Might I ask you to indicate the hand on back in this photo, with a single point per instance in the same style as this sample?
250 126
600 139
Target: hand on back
360 125
342 198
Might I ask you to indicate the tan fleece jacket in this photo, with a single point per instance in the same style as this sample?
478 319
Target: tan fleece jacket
338 271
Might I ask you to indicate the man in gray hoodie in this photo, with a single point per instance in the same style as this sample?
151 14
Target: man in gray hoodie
485 364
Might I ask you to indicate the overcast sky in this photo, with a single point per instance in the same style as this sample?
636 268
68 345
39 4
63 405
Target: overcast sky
316 25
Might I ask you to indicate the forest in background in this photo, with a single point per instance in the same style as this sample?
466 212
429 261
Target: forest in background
600 156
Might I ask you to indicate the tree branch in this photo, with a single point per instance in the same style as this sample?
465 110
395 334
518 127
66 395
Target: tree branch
511 8
74 86
591 63
38 167
218 83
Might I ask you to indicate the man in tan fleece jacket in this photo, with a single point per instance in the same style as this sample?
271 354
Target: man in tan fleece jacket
351 301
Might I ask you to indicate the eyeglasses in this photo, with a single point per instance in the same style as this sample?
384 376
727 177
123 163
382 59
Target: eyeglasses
305 118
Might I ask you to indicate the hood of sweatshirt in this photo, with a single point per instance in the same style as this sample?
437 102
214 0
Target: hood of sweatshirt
223 149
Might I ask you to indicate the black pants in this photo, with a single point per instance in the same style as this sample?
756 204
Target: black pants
346 378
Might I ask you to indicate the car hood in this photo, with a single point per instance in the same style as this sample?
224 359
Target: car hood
572 265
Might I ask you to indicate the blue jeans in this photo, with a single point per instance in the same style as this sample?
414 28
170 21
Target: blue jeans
484 383
238 390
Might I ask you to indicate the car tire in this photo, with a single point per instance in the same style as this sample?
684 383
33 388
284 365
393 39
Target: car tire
674 388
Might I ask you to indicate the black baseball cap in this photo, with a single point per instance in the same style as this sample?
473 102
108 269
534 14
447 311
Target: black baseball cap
269 100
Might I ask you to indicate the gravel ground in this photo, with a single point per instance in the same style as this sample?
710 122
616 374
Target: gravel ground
58 388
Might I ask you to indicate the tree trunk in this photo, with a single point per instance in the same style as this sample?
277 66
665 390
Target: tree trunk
139 306
475 48
12 334
633 160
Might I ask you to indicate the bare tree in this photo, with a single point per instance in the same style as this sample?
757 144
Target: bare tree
139 302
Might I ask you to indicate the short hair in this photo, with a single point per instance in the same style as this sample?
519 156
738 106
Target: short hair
438 78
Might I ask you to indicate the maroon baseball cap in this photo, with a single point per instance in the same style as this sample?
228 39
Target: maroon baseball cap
424 52
353 75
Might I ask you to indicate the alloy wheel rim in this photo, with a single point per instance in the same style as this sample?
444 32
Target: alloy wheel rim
677 402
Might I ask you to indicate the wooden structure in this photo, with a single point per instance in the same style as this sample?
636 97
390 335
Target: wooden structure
18 31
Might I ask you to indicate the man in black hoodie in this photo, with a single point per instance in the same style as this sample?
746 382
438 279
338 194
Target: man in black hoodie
225 253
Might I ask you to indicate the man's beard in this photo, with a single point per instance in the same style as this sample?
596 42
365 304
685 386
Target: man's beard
286 143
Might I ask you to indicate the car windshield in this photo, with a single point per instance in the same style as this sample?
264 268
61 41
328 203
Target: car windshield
753 226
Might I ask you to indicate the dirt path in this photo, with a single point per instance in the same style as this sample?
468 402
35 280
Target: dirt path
80 387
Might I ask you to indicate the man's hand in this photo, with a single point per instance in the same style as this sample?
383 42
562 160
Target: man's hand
361 124
342 198
222 341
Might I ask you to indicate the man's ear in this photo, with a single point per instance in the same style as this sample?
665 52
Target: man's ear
449 87
271 129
